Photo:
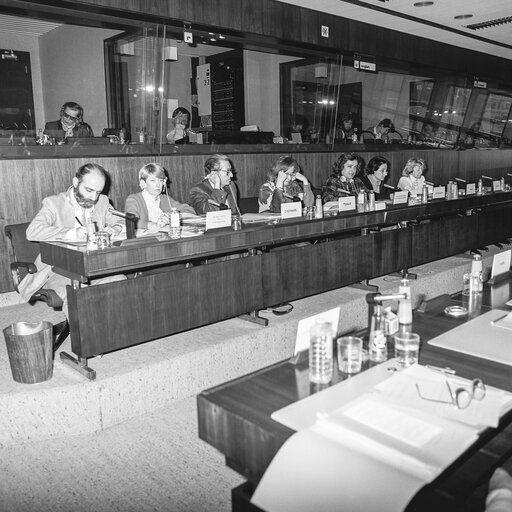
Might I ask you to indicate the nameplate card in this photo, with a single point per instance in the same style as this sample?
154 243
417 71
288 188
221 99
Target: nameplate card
220 219
304 326
380 205
401 197
470 189
439 193
291 210
501 263
346 204
496 185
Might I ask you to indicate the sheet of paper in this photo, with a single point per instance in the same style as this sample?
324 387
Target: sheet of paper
330 206
401 388
302 340
260 217
479 338
305 412
501 263
311 473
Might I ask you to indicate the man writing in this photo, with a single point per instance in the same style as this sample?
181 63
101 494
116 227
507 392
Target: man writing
63 218
70 124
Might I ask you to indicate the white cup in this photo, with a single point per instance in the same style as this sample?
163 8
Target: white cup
350 352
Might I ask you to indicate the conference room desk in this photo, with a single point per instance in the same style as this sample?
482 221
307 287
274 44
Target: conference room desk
244 273
235 417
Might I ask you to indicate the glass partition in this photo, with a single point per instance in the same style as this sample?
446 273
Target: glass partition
144 89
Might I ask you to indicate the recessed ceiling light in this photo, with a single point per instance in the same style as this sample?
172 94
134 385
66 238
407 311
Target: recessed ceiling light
462 16
423 4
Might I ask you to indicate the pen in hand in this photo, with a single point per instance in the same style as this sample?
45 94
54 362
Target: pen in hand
78 220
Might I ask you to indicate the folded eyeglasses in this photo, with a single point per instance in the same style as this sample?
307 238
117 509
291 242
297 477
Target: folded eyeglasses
460 397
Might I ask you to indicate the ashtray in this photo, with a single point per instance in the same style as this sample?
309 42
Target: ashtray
456 311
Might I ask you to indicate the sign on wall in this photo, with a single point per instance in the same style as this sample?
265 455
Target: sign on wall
204 95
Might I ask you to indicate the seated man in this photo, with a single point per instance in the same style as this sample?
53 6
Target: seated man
64 217
215 192
379 132
154 203
70 124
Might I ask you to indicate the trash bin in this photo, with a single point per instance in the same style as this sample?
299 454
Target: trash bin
30 350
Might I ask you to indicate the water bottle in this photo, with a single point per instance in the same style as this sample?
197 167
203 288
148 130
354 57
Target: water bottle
355 139
476 284
371 201
320 352
377 341
319 209
455 194
502 184
480 188
449 190
174 223
424 195
361 200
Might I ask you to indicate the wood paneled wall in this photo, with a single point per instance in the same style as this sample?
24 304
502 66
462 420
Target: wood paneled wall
27 182
285 23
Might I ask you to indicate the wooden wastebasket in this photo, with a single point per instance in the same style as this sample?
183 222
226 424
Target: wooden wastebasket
30 350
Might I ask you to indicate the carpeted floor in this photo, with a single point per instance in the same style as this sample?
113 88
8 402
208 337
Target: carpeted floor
152 463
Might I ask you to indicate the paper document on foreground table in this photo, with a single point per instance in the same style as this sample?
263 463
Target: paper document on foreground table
369 455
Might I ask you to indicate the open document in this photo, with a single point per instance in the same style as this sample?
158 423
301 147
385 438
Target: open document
370 454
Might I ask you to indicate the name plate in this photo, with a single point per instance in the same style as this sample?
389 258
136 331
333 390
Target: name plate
220 219
470 189
439 193
291 210
496 185
380 205
501 263
346 203
401 197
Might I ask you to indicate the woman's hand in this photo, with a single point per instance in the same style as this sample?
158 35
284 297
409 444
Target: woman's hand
300 177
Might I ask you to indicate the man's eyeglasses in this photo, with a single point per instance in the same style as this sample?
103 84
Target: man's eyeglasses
227 171
69 117
460 397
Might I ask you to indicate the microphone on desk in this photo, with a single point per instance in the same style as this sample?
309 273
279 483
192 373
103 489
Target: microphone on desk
484 177
429 183
234 198
394 189
461 180
346 192
509 174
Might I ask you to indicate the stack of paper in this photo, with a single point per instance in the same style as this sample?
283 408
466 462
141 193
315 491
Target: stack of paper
375 452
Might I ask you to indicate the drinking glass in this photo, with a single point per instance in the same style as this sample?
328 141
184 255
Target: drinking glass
350 352
407 348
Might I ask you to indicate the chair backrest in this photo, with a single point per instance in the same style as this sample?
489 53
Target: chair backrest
23 249
248 204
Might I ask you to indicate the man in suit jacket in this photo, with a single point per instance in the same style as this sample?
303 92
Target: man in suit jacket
215 192
70 124
63 218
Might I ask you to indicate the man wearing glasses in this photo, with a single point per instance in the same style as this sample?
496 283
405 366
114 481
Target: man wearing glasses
215 192
70 124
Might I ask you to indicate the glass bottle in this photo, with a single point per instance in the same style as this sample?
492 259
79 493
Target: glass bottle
320 352
355 139
319 209
377 341
174 223
476 284
371 201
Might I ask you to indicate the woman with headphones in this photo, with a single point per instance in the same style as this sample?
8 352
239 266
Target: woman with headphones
153 204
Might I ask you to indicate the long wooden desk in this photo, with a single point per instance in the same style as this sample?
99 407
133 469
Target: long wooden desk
235 417
345 249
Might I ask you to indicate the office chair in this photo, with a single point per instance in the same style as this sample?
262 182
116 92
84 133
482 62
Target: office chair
25 253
